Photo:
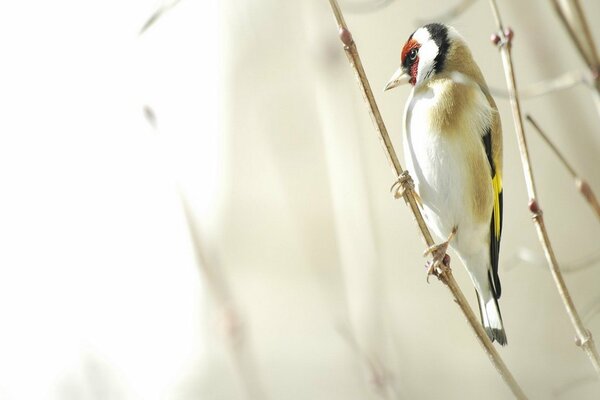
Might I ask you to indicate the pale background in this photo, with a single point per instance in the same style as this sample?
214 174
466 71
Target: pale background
259 124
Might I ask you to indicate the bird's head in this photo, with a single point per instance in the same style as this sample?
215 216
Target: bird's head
423 55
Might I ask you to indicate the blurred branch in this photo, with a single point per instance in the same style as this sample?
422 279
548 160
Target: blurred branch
591 310
562 82
571 15
443 273
232 324
150 116
503 39
574 384
156 15
360 264
582 185
580 34
527 256
450 14
381 378
573 19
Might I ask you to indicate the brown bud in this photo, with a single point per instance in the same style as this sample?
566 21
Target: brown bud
584 189
446 260
533 206
345 36
509 34
231 325
495 38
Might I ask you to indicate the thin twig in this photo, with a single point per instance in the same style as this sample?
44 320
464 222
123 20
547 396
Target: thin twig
586 46
380 376
150 116
157 14
359 260
232 324
591 310
572 34
444 274
584 337
587 34
582 186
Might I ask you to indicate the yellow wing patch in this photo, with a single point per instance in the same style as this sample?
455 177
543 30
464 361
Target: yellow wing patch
497 185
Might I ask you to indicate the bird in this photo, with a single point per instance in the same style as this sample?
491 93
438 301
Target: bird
453 152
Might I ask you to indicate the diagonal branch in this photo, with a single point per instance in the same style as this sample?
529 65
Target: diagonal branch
157 14
232 323
584 42
584 338
585 45
582 185
381 378
444 274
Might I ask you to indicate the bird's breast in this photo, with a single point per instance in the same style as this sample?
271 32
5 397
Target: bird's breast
446 157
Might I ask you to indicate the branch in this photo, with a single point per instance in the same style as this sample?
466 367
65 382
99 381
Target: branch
524 255
157 14
380 377
593 309
150 116
582 185
232 323
576 383
571 31
585 46
503 40
587 34
444 274
561 82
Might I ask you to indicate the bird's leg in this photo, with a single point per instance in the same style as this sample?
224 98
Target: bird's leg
402 184
438 251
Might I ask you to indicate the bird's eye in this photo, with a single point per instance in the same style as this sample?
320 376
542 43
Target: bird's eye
413 54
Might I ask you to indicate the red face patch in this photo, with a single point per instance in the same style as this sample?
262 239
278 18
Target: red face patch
411 65
414 68
411 44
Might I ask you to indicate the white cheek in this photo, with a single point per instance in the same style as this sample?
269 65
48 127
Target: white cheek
427 54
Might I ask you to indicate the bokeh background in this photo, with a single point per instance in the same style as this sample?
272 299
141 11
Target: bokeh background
201 211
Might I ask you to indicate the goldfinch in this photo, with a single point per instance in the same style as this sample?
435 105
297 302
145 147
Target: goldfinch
453 151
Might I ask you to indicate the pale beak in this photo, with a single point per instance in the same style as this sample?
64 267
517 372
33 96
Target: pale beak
400 77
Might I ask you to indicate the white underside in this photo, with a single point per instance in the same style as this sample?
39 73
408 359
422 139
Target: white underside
437 162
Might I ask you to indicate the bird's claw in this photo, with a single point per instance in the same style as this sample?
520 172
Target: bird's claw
402 184
439 264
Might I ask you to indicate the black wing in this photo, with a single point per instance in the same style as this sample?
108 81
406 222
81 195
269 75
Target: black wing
496 219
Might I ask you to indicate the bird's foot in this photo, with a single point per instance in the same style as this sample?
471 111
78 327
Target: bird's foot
402 184
437 264
440 262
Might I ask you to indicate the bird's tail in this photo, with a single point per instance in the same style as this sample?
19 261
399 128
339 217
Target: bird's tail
491 319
